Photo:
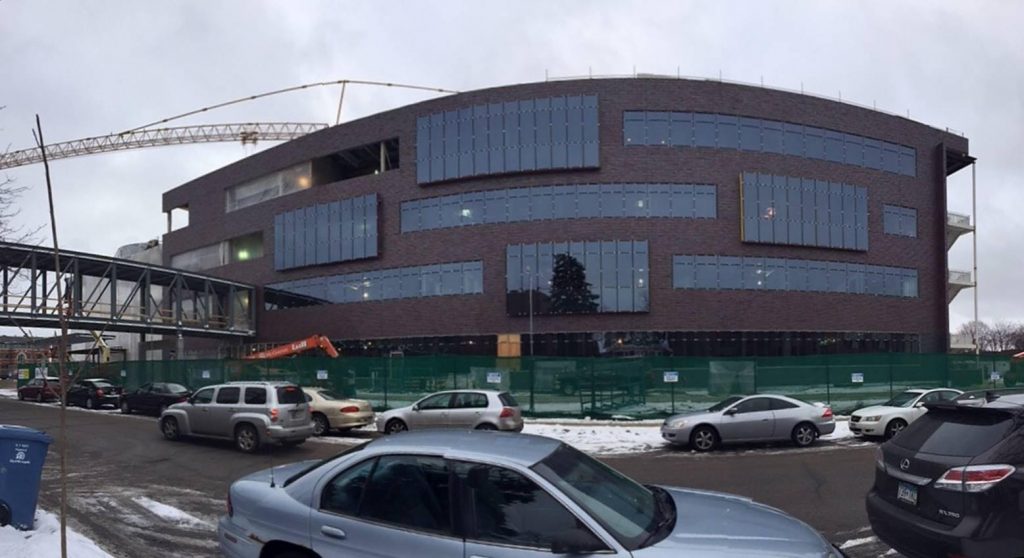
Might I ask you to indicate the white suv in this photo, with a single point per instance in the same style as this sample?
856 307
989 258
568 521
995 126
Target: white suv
250 413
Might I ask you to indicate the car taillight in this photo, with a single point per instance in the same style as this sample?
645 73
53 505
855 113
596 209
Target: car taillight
827 413
506 412
182 399
350 409
231 509
273 415
974 478
99 393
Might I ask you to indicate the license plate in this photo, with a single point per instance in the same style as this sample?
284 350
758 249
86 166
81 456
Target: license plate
907 493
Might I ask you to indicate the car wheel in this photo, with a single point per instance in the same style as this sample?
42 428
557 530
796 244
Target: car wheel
804 434
39 397
126 408
21 396
169 426
90 404
486 426
247 440
394 426
320 425
703 438
894 427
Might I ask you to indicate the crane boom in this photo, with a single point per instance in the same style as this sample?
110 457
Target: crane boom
249 132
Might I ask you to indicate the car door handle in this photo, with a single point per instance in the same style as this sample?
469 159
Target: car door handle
765 420
332 532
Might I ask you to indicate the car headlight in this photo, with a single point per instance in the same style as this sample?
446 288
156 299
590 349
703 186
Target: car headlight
675 423
875 418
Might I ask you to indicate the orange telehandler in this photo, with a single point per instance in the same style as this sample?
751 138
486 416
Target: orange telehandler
296 347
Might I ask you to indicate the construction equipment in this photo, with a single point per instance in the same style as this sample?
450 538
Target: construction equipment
297 347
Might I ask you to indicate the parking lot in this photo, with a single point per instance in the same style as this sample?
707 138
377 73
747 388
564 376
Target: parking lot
131 491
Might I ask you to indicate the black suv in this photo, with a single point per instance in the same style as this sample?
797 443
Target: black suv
952 483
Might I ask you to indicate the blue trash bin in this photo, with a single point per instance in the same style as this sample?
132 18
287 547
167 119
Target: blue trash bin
22 453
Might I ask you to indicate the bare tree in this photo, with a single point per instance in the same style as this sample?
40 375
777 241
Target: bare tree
979 332
1001 336
9 211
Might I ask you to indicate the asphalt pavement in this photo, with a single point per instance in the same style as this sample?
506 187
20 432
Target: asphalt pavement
120 470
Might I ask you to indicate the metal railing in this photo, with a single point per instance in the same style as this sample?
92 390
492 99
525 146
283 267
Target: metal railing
958 220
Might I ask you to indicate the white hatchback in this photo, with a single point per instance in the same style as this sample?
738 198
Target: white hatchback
889 418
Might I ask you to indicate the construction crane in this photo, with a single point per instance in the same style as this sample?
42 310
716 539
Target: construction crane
250 132
296 347
146 136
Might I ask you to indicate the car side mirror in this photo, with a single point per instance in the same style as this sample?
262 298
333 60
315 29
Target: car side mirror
416 408
731 411
919 404
576 541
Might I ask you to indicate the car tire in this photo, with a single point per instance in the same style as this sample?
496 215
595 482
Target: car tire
394 426
21 396
321 425
90 404
704 438
486 426
894 427
170 429
804 434
126 408
39 397
247 439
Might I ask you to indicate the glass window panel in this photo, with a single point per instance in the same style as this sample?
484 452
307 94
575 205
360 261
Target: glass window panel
780 221
730 272
451 144
472 208
853 149
564 202
794 139
422 149
751 208
908 223
311 231
794 210
430 214
808 211
437 147
707 272
451 279
624 268
796 275
750 134
527 136
431 276
772 136
590 125
451 211
559 127
588 200
753 273
612 201
683 204
861 220
814 143
574 116
766 212
518 205
466 142
511 139
849 217
855 278
411 286
391 284
705 202
514 268
496 137
410 216
472 277
890 220
496 206
279 241
893 281
910 283
684 272
543 123
637 203
542 204
288 239
728 132
704 130
681 129
836 277
908 161
874 280
633 124
890 157
481 147
835 214
775 274
609 287
657 128
817 276
322 238
834 147
872 154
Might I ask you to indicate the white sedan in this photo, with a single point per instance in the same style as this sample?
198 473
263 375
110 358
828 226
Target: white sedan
889 418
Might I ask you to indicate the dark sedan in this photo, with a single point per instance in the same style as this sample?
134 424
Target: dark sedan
153 398
94 393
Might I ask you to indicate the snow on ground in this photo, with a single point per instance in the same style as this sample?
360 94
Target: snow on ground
9 393
601 438
169 513
44 542
857 542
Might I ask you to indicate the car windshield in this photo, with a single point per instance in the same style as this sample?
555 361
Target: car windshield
625 508
176 388
312 467
903 400
507 399
329 395
725 403
102 385
290 395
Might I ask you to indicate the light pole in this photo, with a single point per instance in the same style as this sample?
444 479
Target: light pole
530 291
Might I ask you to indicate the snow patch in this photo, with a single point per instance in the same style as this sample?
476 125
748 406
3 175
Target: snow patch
169 513
44 542
857 542
9 393
601 439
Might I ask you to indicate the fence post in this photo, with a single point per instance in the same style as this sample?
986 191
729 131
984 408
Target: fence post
533 386
828 383
672 394
890 375
593 388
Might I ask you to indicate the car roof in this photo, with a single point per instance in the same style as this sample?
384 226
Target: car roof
254 383
776 396
917 390
502 447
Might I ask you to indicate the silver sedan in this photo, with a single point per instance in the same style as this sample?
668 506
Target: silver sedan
448 494
754 418
477 409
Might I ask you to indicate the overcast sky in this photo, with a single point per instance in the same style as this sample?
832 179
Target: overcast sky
90 68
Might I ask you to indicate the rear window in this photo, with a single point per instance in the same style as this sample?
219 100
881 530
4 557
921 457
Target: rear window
507 399
175 388
290 395
961 434
102 385
329 395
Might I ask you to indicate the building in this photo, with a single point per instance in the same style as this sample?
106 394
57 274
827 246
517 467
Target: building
607 216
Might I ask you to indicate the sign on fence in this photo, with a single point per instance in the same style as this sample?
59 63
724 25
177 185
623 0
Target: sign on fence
994 376
24 374
321 374
857 377
494 377
206 374
671 377
124 373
